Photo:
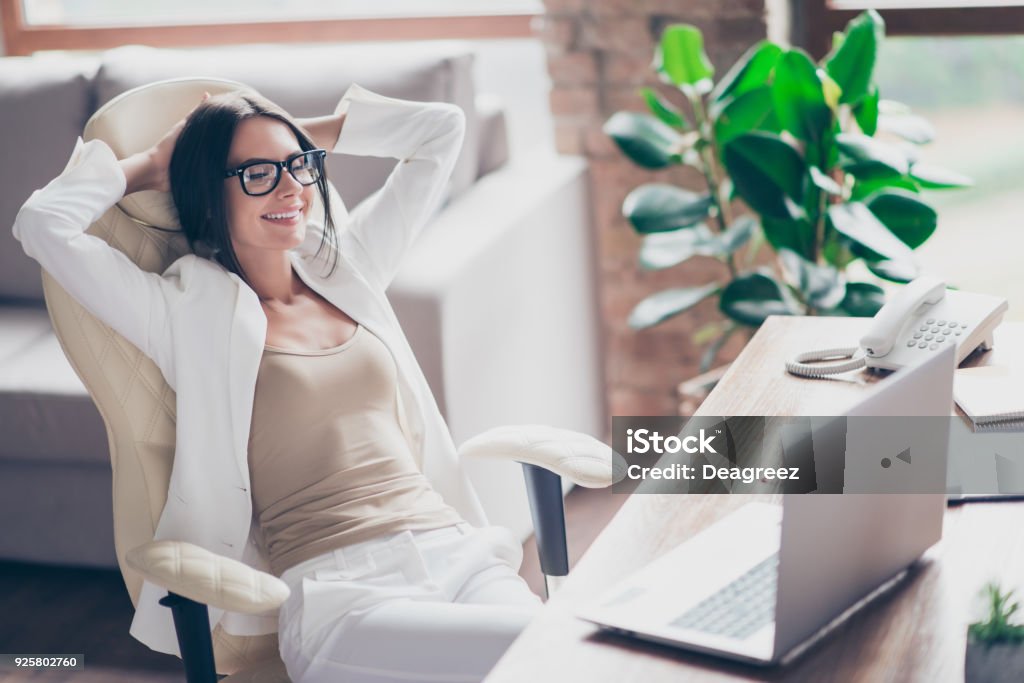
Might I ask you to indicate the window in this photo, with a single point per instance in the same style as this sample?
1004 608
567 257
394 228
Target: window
31 25
115 12
970 89
815 20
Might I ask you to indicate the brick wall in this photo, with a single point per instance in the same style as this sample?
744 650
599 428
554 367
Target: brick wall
599 54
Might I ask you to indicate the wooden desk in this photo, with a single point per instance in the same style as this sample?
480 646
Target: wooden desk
916 632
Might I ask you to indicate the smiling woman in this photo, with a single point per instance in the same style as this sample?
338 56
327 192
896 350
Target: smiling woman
307 440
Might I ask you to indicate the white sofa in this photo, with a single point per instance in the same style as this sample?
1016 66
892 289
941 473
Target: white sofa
497 297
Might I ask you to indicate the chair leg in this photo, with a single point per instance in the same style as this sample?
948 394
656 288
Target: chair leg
192 624
544 489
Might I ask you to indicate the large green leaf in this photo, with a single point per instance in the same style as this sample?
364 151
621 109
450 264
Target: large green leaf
852 64
823 287
644 139
750 71
798 97
666 249
765 170
824 182
735 236
894 271
796 234
838 250
936 178
907 217
664 110
658 207
749 111
855 221
668 303
751 298
910 127
681 59
866 187
871 158
863 299
866 112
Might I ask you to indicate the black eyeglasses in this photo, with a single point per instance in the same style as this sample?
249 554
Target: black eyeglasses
261 177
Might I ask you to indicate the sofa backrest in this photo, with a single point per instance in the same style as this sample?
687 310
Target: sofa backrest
44 102
310 80
44 105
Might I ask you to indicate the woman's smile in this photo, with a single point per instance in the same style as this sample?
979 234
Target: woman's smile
288 217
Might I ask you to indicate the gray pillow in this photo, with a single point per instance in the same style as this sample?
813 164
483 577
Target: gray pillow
310 80
44 103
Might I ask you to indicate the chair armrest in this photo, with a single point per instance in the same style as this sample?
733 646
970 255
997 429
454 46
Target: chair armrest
208 578
578 457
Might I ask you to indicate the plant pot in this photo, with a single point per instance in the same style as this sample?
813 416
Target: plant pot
998 663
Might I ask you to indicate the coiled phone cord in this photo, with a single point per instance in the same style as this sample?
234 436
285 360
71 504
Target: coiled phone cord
853 357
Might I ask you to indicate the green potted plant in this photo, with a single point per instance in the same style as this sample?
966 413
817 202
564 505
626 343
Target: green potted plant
995 646
796 142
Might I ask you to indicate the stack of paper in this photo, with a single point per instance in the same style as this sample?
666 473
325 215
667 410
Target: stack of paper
992 397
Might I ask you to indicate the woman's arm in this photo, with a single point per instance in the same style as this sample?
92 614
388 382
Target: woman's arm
426 138
51 228
323 130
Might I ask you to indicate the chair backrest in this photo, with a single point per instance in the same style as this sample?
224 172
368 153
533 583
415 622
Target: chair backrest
137 405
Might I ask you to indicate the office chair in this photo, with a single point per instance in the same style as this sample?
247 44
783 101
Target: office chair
138 409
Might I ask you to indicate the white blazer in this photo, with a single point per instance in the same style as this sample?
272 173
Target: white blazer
205 329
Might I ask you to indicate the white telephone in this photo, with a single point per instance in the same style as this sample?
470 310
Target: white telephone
923 318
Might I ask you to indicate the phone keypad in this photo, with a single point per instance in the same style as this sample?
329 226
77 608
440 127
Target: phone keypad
931 333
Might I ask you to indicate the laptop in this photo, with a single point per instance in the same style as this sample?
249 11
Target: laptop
767 581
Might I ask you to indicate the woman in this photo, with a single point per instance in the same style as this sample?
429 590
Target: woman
308 443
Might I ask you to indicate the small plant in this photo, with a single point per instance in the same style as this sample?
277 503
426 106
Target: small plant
795 141
997 627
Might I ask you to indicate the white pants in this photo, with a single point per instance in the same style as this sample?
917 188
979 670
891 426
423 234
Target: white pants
439 605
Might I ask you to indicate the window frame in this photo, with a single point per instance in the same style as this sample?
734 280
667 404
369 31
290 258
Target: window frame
814 21
22 39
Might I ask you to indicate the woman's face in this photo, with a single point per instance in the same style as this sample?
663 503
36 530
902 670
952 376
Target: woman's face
277 220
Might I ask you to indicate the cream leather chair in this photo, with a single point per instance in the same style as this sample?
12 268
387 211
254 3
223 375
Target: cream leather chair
138 408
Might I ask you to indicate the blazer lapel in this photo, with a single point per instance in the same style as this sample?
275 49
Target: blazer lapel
248 336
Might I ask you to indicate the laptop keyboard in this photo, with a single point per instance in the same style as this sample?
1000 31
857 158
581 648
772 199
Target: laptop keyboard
739 609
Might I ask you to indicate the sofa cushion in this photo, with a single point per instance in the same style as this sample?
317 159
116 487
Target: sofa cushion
44 102
310 80
46 416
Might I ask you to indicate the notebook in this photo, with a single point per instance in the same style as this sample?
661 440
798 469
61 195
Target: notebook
992 396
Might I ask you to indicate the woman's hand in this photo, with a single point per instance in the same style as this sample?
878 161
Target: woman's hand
323 130
150 170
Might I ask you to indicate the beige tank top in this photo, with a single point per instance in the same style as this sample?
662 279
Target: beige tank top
328 461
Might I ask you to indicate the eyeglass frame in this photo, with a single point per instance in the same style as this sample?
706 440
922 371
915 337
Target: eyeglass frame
278 166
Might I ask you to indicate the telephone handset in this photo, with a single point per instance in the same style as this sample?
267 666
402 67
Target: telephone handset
923 318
